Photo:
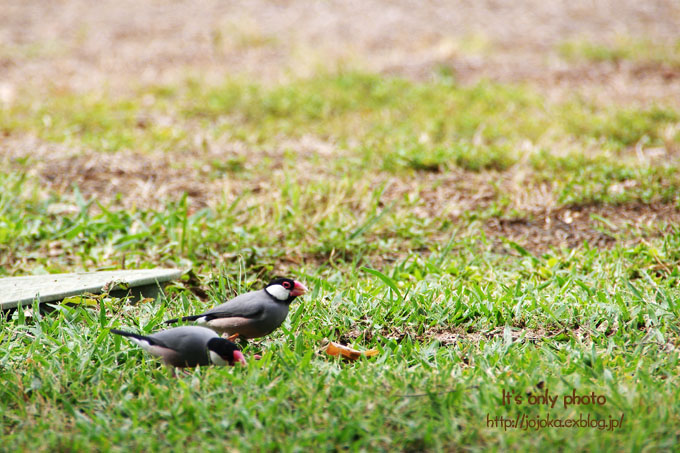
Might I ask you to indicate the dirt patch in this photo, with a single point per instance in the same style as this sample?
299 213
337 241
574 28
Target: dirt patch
599 225
448 194
127 179
149 180
142 180
452 335
447 336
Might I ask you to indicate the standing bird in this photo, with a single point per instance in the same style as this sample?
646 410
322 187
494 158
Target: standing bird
187 346
254 314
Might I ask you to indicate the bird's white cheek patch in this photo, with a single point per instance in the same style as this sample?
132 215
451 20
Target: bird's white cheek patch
216 359
201 320
278 292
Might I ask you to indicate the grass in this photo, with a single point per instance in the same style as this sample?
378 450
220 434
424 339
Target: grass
623 48
66 376
458 313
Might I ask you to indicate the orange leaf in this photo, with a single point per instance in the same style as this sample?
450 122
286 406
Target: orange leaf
348 353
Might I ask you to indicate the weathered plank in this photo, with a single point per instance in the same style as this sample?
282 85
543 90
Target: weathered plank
52 287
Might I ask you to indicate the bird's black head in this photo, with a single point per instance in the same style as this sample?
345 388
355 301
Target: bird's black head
225 350
285 289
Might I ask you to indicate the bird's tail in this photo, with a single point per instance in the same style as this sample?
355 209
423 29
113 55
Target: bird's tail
141 340
129 334
184 318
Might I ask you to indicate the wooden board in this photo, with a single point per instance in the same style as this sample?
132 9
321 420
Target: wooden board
53 287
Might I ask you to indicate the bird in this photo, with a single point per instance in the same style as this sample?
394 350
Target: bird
254 314
187 346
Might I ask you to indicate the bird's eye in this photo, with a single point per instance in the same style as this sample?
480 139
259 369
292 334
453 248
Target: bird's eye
286 285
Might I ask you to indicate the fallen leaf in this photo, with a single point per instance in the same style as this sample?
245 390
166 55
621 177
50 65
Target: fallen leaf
80 300
346 352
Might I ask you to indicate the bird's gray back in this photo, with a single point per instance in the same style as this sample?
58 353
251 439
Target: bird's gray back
190 342
245 305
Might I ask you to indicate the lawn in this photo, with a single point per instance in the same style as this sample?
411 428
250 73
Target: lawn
511 255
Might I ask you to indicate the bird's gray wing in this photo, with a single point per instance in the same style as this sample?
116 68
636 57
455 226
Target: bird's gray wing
184 337
250 305
188 342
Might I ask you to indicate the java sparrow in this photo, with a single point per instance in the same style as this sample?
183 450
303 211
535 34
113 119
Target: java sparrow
187 346
254 314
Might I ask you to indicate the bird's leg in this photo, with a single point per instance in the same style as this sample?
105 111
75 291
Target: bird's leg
243 340
173 371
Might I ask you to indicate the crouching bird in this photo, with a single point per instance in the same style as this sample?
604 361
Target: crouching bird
254 314
187 346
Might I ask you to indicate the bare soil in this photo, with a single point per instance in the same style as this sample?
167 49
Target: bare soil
599 225
457 336
448 335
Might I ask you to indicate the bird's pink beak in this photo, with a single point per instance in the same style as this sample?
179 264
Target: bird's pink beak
298 290
238 357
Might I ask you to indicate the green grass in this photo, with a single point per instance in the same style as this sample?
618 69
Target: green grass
65 376
623 48
458 314
387 123
621 128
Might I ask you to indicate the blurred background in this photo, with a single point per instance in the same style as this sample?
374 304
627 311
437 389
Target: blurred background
526 117
556 45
